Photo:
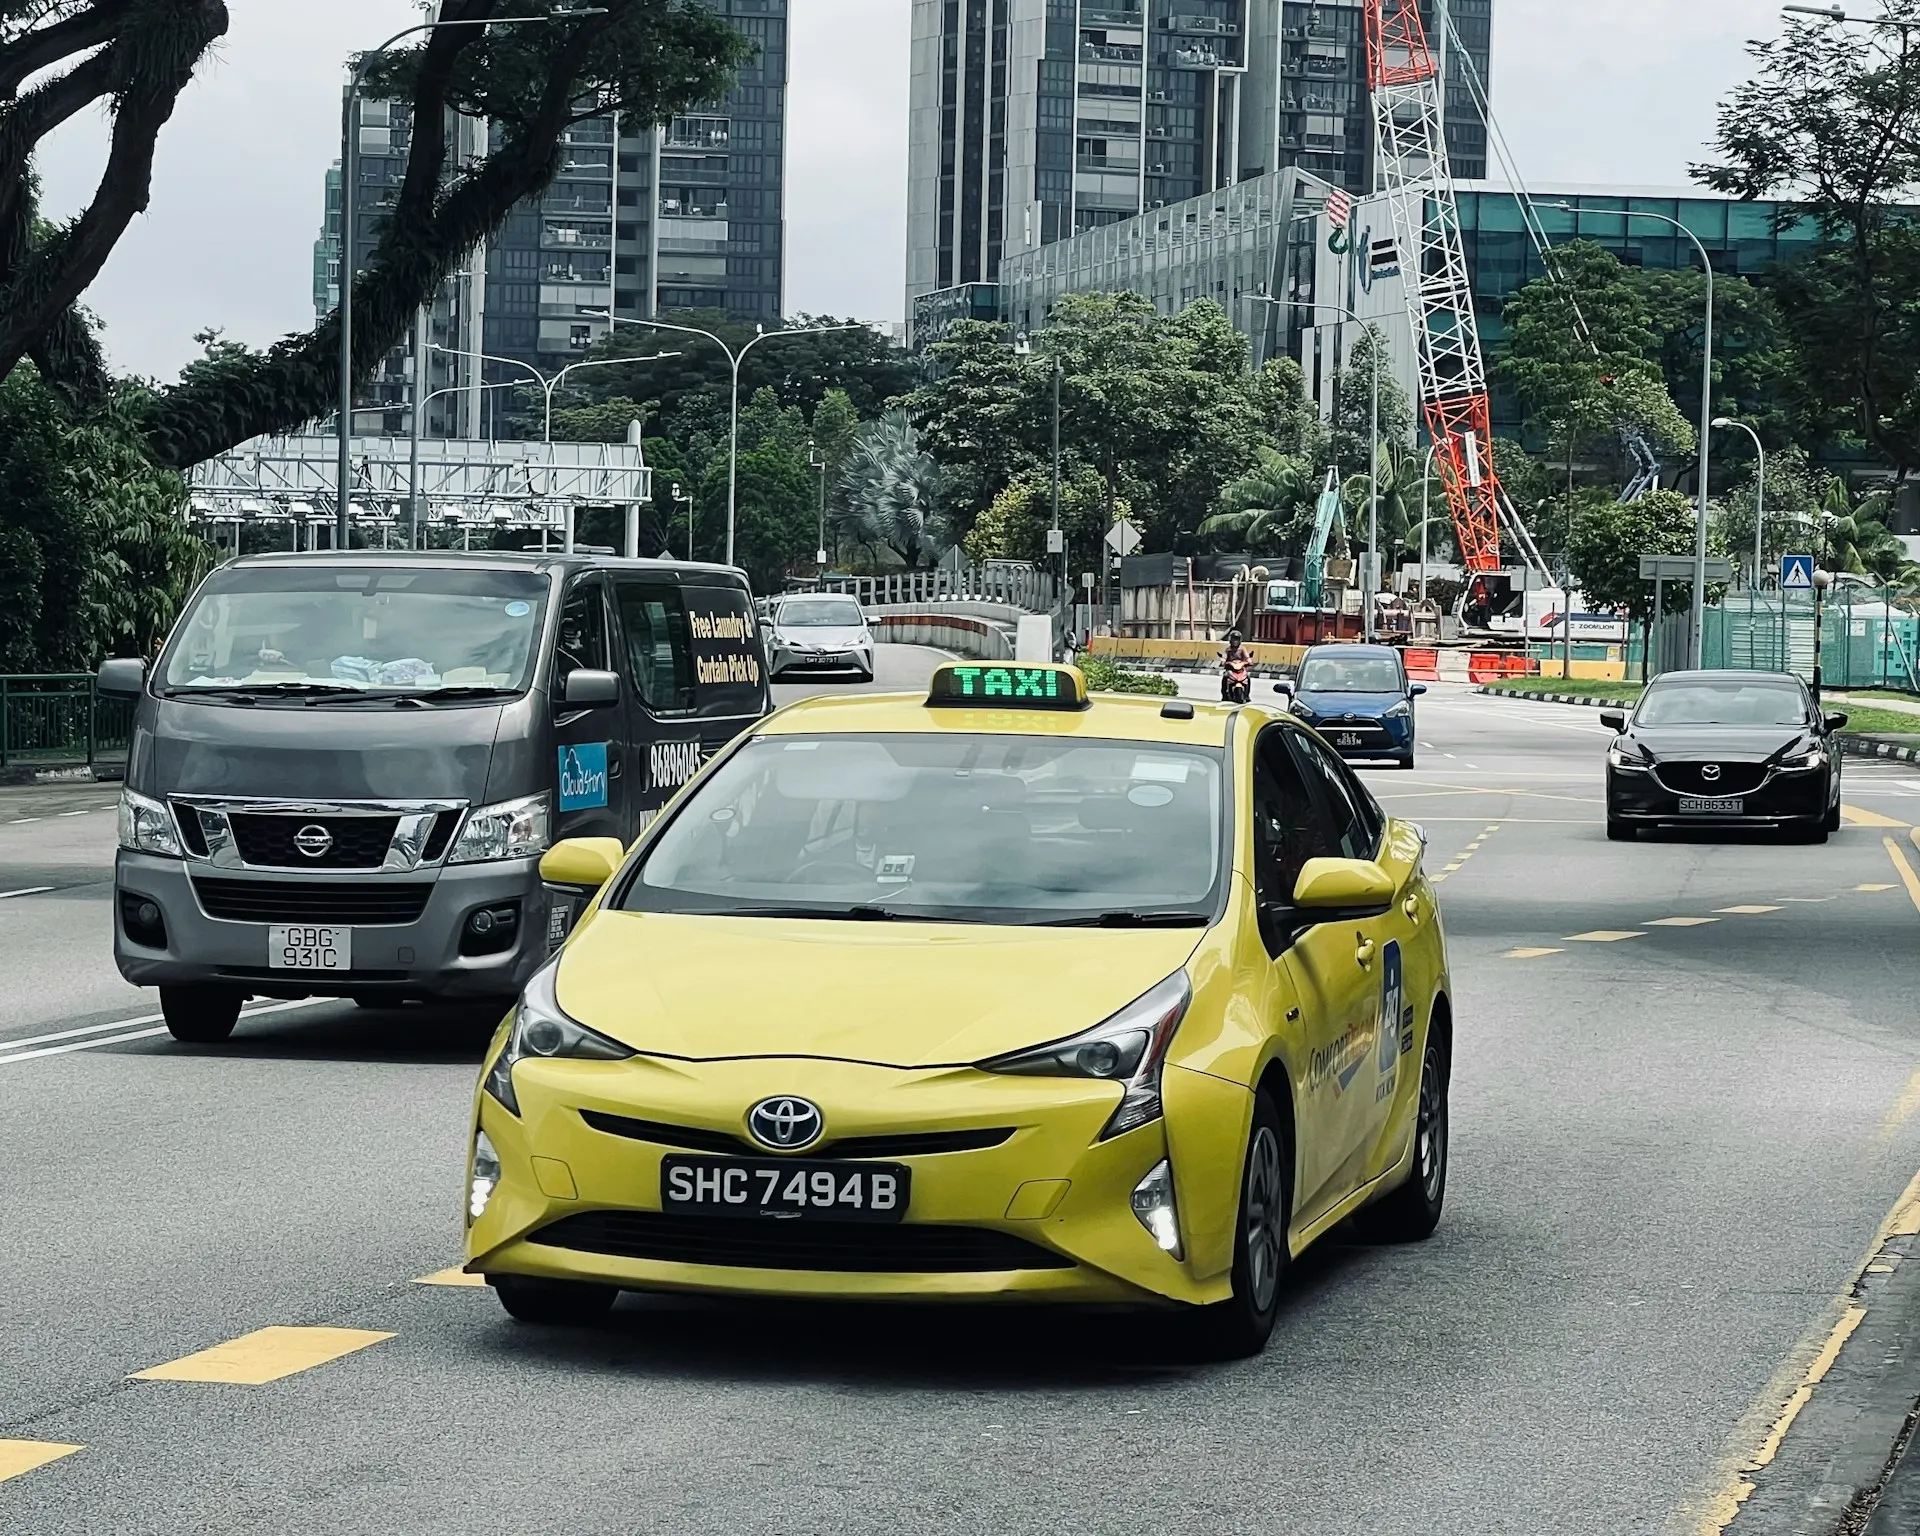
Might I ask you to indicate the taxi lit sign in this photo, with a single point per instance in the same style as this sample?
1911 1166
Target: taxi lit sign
1009 687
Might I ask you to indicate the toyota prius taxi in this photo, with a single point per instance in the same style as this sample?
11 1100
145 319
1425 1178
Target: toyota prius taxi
996 992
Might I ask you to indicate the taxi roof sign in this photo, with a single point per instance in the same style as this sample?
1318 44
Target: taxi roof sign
1007 686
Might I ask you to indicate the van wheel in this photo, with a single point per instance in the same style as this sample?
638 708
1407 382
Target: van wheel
200 1015
561 1302
1241 1325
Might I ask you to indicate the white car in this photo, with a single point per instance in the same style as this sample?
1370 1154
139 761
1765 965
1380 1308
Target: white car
823 632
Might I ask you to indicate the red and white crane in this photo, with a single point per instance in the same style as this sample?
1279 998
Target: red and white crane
1405 75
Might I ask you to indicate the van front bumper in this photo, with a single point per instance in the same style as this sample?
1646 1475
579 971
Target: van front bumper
433 954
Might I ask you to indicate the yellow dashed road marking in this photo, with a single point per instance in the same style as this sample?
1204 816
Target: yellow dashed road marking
1680 922
451 1277
1905 870
1876 887
1604 936
1855 816
1745 911
265 1355
1902 1110
1530 954
18 1456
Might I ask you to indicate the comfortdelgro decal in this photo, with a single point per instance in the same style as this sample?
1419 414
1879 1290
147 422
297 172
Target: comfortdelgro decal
583 776
1392 989
1339 1061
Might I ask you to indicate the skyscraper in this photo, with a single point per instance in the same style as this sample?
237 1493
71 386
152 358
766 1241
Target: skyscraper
640 221
1034 120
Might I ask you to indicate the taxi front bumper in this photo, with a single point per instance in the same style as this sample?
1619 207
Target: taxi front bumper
1044 1214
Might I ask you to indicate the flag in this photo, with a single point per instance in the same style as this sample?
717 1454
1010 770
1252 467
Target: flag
1339 209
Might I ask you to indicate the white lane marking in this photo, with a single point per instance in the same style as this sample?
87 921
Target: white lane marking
8 1055
21 821
86 812
25 890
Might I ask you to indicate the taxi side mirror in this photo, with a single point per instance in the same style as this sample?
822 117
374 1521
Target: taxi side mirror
584 862
1335 889
1616 718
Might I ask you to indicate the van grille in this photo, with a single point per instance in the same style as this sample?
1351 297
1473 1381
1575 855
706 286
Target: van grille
387 904
359 842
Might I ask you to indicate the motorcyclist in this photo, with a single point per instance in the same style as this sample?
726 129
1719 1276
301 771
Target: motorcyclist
1236 670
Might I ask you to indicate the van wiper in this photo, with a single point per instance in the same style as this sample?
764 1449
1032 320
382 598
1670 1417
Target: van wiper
266 690
465 691
1133 920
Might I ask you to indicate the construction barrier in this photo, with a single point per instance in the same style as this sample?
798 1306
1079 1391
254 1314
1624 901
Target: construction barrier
1598 671
1280 658
1486 667
1423 666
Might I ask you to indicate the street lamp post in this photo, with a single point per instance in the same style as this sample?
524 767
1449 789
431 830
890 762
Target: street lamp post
1699 626
735 359
349 243
1023 347
549 383
819 461
1426 503
1759 494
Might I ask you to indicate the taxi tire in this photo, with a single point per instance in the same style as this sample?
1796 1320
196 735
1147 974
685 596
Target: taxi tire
1412 1211
1240 1326
564 1303
201 1015
1620 831
1833 817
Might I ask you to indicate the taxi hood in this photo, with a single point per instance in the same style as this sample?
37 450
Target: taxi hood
898 994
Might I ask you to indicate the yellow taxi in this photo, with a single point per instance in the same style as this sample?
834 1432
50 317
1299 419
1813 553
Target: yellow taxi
999 992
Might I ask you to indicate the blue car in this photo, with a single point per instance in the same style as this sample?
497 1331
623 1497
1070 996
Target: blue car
1358 698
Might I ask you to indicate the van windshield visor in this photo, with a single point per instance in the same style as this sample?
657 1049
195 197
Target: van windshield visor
984 829
314 630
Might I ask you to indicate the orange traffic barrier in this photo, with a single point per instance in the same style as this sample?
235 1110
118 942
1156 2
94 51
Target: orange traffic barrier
1485 667
1423 666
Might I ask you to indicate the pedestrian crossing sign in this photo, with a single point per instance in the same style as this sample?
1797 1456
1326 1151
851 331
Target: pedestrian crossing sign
1796 573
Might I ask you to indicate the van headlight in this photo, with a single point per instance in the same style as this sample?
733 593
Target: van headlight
1400 712
1128 1048
541 1029
512 829
146 826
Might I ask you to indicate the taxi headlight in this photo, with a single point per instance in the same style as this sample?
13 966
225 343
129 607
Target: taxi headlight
541 1029
512 829
484 1179
1154 1208
146 826
1814 756
1627 759
1128 1048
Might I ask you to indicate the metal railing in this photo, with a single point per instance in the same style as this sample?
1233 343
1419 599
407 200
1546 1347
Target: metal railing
1015 586
57 720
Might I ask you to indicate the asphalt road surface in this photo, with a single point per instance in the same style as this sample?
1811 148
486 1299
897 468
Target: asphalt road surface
1685 1100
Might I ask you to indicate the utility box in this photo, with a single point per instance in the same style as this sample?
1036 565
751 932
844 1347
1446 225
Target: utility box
1033 641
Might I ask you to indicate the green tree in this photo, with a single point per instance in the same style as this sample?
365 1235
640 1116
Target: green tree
1856 540
775 526
1268 510
1609 537
1353 418
890 491
983 412
604 421
1015 526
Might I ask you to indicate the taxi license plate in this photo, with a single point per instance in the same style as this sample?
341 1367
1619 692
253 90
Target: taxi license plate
784 1188
1695 805
1346 739
300 948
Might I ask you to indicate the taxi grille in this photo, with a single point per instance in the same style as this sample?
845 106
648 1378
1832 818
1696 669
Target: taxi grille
843 1248
700 1139
1732 779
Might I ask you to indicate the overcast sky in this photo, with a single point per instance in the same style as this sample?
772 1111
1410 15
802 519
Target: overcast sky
1608 91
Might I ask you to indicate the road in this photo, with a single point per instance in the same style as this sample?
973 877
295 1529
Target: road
1684 1102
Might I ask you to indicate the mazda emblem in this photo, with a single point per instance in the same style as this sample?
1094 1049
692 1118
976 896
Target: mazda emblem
1711 772
314 840
786 1124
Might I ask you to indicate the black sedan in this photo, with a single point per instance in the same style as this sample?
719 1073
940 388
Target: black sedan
1724 749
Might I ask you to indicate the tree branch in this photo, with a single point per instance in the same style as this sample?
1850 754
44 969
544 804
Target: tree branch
46 46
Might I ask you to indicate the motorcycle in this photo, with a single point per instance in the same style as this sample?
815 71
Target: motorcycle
1236 682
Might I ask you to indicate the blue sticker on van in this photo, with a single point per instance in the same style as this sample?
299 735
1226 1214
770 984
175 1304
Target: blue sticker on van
583 776
518 610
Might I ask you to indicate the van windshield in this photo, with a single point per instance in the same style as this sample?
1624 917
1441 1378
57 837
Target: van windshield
325 628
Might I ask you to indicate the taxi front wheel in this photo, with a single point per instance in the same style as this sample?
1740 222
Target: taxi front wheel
1241 1325
563 1302
1412 1211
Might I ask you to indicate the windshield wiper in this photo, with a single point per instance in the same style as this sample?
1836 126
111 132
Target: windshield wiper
1133 920
267 690
462 691
860 914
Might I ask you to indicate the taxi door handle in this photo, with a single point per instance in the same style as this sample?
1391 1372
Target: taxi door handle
1363 951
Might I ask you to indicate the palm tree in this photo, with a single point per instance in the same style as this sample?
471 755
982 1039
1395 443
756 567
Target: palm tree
1859 542
890 490
1401 473
1264 507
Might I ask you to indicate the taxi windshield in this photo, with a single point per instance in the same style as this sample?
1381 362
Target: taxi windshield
325 628
1351 674
819 613
1737 701
947 828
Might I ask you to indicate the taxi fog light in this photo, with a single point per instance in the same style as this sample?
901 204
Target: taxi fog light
1153 1206
1128 1048
486 1176
513 829
146 826
541 1029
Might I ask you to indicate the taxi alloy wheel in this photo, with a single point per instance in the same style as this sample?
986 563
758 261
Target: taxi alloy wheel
1412 1211
1241 1325
562 1302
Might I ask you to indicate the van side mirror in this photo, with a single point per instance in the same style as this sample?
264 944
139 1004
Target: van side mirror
588 689
1285 690
1416 690
584 862
123 678
1836 722
1616 718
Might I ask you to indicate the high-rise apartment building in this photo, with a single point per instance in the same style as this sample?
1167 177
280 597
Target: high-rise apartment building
1036 120
640 221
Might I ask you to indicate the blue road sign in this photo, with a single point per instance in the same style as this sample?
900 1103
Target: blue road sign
1796 573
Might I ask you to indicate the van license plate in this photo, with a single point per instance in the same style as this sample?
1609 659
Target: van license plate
299 948
1695 805
1346 739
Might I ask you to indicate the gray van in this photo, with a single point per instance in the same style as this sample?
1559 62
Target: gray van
345 767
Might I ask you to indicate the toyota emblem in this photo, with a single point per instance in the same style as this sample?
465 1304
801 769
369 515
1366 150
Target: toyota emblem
1711 772
785 1124
314 840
